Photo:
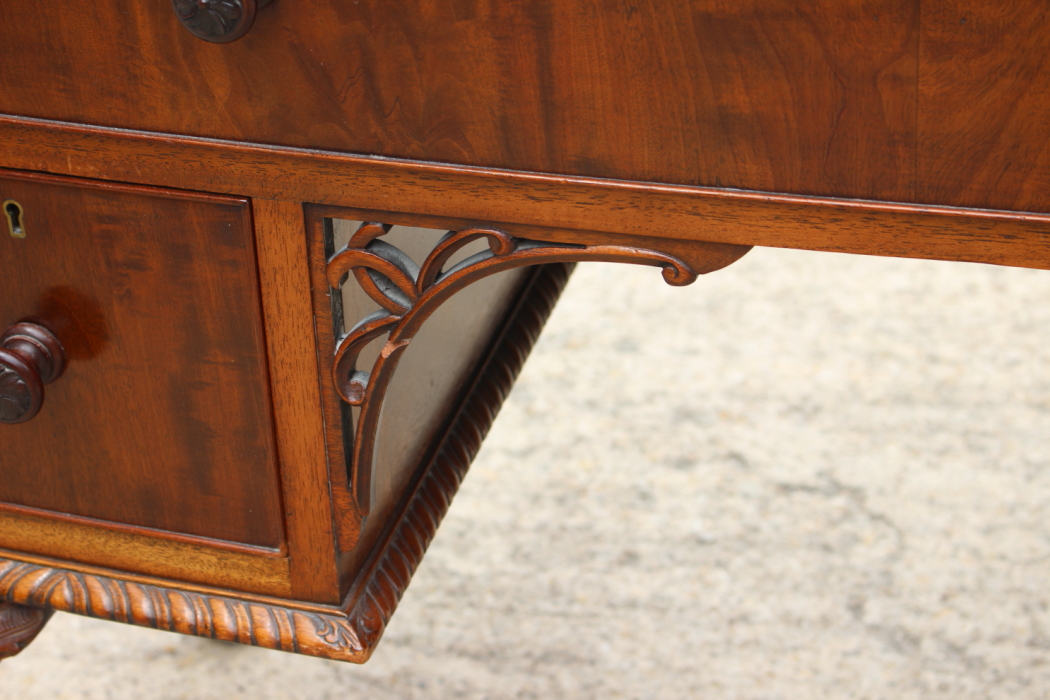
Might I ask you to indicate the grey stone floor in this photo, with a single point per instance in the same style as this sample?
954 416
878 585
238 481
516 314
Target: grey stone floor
806 476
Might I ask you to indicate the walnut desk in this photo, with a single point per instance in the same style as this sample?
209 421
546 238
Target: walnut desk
268 269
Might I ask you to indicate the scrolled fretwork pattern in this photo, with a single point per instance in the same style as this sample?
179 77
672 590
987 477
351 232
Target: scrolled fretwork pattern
408 294
430 501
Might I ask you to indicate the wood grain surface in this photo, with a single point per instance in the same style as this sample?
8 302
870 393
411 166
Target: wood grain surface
162 417
285 277
152 554
350 631
478 196
768 96
984 130
933 101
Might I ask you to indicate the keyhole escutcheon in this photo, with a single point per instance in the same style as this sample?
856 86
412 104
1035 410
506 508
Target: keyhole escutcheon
15 218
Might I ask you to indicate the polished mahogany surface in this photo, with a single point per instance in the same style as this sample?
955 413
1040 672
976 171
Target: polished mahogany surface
930 101
161 418
205 443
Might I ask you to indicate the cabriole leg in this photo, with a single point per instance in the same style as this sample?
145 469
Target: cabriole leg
19 625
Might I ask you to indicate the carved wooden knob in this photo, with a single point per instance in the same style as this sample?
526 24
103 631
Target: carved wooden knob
30 357
219 21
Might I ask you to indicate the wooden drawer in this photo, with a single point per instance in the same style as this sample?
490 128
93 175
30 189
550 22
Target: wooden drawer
160 423
225 455
773 96
268 405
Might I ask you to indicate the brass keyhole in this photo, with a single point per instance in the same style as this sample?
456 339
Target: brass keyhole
15 218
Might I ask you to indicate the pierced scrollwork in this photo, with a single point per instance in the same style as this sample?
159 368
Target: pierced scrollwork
408 294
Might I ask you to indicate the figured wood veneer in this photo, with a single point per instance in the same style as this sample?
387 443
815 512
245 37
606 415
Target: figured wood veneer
927 101
284 272
676 133
348 632
770 95
161 420
984 87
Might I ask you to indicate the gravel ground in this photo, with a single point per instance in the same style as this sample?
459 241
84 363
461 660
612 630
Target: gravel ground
806 476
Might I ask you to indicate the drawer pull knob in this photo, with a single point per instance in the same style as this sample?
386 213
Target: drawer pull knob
30 357
218 21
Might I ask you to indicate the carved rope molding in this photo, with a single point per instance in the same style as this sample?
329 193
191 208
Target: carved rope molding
408 294
404 550
343 636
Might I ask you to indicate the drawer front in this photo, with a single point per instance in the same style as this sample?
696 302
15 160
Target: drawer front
849 98
161 418
761 96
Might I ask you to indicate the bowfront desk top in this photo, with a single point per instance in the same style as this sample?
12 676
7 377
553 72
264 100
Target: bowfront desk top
270 268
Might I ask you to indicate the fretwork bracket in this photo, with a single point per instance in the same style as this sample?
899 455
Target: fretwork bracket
408 294
350 631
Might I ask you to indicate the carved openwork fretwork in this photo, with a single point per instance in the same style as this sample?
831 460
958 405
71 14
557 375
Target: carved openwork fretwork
408 294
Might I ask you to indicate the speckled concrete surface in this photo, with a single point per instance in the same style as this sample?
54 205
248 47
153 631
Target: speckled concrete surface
806 476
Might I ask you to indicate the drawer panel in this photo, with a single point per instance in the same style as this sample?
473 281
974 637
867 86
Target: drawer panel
870 99
767 96
162 417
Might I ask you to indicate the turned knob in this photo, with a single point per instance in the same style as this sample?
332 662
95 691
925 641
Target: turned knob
30 357
219 21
